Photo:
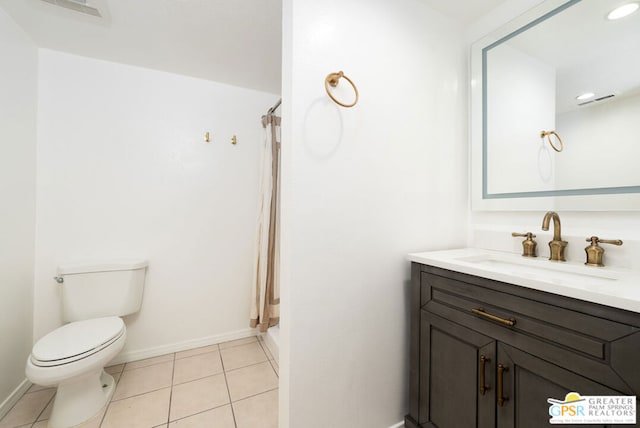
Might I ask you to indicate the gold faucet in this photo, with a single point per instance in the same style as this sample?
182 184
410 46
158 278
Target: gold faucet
556 246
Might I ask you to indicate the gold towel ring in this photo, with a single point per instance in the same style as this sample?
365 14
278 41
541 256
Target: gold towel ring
332 80
548 134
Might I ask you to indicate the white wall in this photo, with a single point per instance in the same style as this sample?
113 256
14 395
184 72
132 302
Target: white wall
521 103
504 12
123 171
18 78
363 187
601 138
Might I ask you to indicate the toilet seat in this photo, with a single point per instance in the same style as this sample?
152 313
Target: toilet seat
76 341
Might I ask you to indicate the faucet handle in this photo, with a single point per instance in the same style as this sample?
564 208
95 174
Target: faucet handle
594 241
528 245
595 252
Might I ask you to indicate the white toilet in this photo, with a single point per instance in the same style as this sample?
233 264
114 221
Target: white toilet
73 356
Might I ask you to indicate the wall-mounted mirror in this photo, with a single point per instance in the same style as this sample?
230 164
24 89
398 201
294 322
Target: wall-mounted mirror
570 68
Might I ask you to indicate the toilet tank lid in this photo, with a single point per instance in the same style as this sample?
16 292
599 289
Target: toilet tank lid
115 265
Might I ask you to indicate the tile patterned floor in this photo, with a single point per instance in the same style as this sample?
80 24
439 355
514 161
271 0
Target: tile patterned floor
230 385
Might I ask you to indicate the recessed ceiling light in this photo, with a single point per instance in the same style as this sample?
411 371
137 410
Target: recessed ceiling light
622 11
585 96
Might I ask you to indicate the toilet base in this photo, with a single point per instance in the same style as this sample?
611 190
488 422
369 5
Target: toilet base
81 398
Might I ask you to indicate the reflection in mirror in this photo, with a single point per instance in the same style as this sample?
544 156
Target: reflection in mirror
575 72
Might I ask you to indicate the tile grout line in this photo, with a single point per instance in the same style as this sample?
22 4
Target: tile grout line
197 379
218 348
240 344
202 411
265 349
104 415
33 392
197 355
43 409
255 342
275 371
142 393
255 395
170 386
115 365
233 413
139 394
124 369
173 374
106 409
175 358
248 365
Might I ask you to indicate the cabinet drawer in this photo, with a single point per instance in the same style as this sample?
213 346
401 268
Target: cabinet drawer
575 330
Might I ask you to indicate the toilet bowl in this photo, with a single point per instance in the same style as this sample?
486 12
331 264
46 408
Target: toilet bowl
72 357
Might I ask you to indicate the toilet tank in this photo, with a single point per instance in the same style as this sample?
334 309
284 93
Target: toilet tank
93 290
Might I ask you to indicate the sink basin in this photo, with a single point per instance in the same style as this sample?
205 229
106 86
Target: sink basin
615 287
542 268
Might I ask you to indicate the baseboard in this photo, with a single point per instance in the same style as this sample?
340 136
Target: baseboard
398 425
141 354
272 343
14 397
409 422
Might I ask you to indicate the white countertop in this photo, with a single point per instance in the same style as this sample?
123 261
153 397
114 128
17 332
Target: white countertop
616 287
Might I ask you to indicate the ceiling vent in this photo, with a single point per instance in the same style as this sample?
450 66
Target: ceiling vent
606 97
77 5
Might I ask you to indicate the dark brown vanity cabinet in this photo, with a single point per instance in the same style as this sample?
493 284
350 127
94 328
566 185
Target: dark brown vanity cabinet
490 354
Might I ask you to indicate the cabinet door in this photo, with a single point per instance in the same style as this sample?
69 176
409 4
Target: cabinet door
527 384
451 371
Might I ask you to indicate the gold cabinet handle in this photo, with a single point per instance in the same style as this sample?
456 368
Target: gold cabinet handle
501 399
483 388
508 322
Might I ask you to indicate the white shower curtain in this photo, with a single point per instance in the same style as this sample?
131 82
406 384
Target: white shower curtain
265 301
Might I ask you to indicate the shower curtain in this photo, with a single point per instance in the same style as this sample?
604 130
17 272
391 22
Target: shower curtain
265 302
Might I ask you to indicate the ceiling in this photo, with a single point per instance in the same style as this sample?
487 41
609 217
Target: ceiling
464 11
232 41
238 42
588 52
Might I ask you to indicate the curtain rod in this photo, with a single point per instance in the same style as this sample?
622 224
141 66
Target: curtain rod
273 109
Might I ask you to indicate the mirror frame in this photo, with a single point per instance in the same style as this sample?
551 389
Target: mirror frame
598 199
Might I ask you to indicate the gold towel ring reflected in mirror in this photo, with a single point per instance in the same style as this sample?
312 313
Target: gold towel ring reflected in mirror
548 134
332 80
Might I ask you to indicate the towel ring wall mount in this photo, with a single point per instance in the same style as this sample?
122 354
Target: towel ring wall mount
548 134
332 80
